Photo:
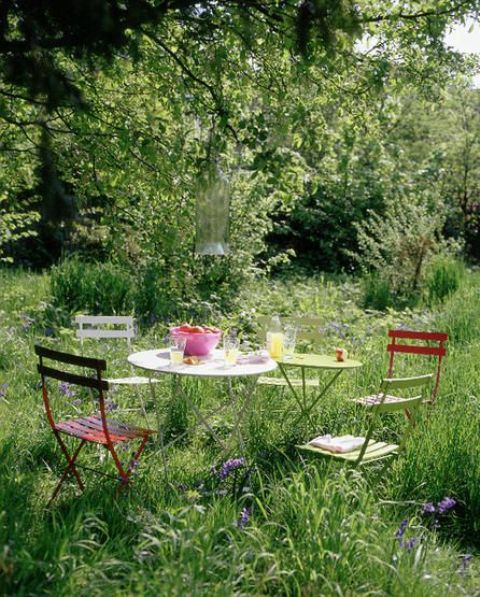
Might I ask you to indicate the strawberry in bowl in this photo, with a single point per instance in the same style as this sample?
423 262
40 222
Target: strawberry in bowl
201 340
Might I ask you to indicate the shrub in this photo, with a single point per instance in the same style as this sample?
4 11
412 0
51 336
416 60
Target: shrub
399 246
443 279
376 292
92 287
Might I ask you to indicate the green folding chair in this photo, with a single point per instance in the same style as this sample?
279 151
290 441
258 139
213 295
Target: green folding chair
369 449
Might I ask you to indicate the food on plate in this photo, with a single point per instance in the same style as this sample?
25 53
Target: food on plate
191 361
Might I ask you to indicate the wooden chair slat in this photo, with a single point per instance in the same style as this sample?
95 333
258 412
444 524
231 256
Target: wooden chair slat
101 333
413 335
73 378
398 405
438 351
70 359
104 319
399 383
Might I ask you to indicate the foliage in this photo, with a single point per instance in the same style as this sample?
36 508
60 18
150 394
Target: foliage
443 278
398 245
93 288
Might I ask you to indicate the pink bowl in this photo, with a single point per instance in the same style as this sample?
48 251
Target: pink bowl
198 344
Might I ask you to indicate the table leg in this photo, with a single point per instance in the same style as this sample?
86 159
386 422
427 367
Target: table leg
240 412
301 403
318 397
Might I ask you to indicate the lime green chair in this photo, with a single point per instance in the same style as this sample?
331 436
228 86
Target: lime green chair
367 449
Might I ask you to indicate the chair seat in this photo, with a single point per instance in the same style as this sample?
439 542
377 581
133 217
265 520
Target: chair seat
91 429
132 381
281 381
376 399
375 451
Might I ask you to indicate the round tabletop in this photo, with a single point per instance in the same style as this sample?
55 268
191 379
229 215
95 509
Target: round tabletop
212 366
318 361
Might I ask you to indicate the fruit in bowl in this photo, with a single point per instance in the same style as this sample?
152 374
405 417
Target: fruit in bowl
201 340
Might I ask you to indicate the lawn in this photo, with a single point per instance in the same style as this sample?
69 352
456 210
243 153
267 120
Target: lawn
275 524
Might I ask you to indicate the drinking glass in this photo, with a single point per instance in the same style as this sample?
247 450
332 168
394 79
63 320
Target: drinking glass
177 348
289 341
231 344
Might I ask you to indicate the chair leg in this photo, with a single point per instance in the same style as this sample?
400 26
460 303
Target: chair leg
124 476
69 469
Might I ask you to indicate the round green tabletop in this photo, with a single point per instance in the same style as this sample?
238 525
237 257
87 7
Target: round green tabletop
318 361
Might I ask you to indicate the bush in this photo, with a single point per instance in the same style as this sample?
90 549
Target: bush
95 288
443 279
376 292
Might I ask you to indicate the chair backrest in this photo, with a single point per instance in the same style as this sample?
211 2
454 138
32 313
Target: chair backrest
432 345
408 404
54 372
105 326
308 327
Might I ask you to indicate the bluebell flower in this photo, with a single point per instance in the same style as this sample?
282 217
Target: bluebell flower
401 529
66 389
230 465
133 465
3 390
244 517
446 504
110 406
428 508
466 559
409 544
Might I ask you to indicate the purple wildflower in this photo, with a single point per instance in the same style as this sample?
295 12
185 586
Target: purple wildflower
446 504
428 508
465 562
77 402
401 529
111 406
230 465
3 390
66 389
409 544
133 465
244 517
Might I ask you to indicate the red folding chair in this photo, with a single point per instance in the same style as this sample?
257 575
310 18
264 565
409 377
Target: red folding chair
94 428
433 345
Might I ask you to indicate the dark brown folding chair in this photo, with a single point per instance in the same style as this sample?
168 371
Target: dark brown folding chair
94 428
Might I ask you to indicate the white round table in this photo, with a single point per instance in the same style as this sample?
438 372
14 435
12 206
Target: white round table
213 366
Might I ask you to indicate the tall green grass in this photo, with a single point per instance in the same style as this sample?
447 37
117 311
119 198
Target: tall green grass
314 528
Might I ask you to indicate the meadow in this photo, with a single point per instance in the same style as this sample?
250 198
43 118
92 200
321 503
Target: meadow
274 524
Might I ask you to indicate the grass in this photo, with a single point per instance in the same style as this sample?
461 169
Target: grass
314 528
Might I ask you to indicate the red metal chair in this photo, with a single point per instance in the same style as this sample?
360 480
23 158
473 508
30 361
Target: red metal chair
433 346
94 428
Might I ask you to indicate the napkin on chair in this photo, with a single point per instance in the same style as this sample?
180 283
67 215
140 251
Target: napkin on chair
338 445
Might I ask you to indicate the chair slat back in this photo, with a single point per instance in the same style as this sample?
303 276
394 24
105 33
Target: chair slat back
96 365
72 378
433 346
54 372
120 326
402 383
391 385
70 359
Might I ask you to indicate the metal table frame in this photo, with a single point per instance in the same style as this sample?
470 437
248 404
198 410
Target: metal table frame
313 361
158 361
